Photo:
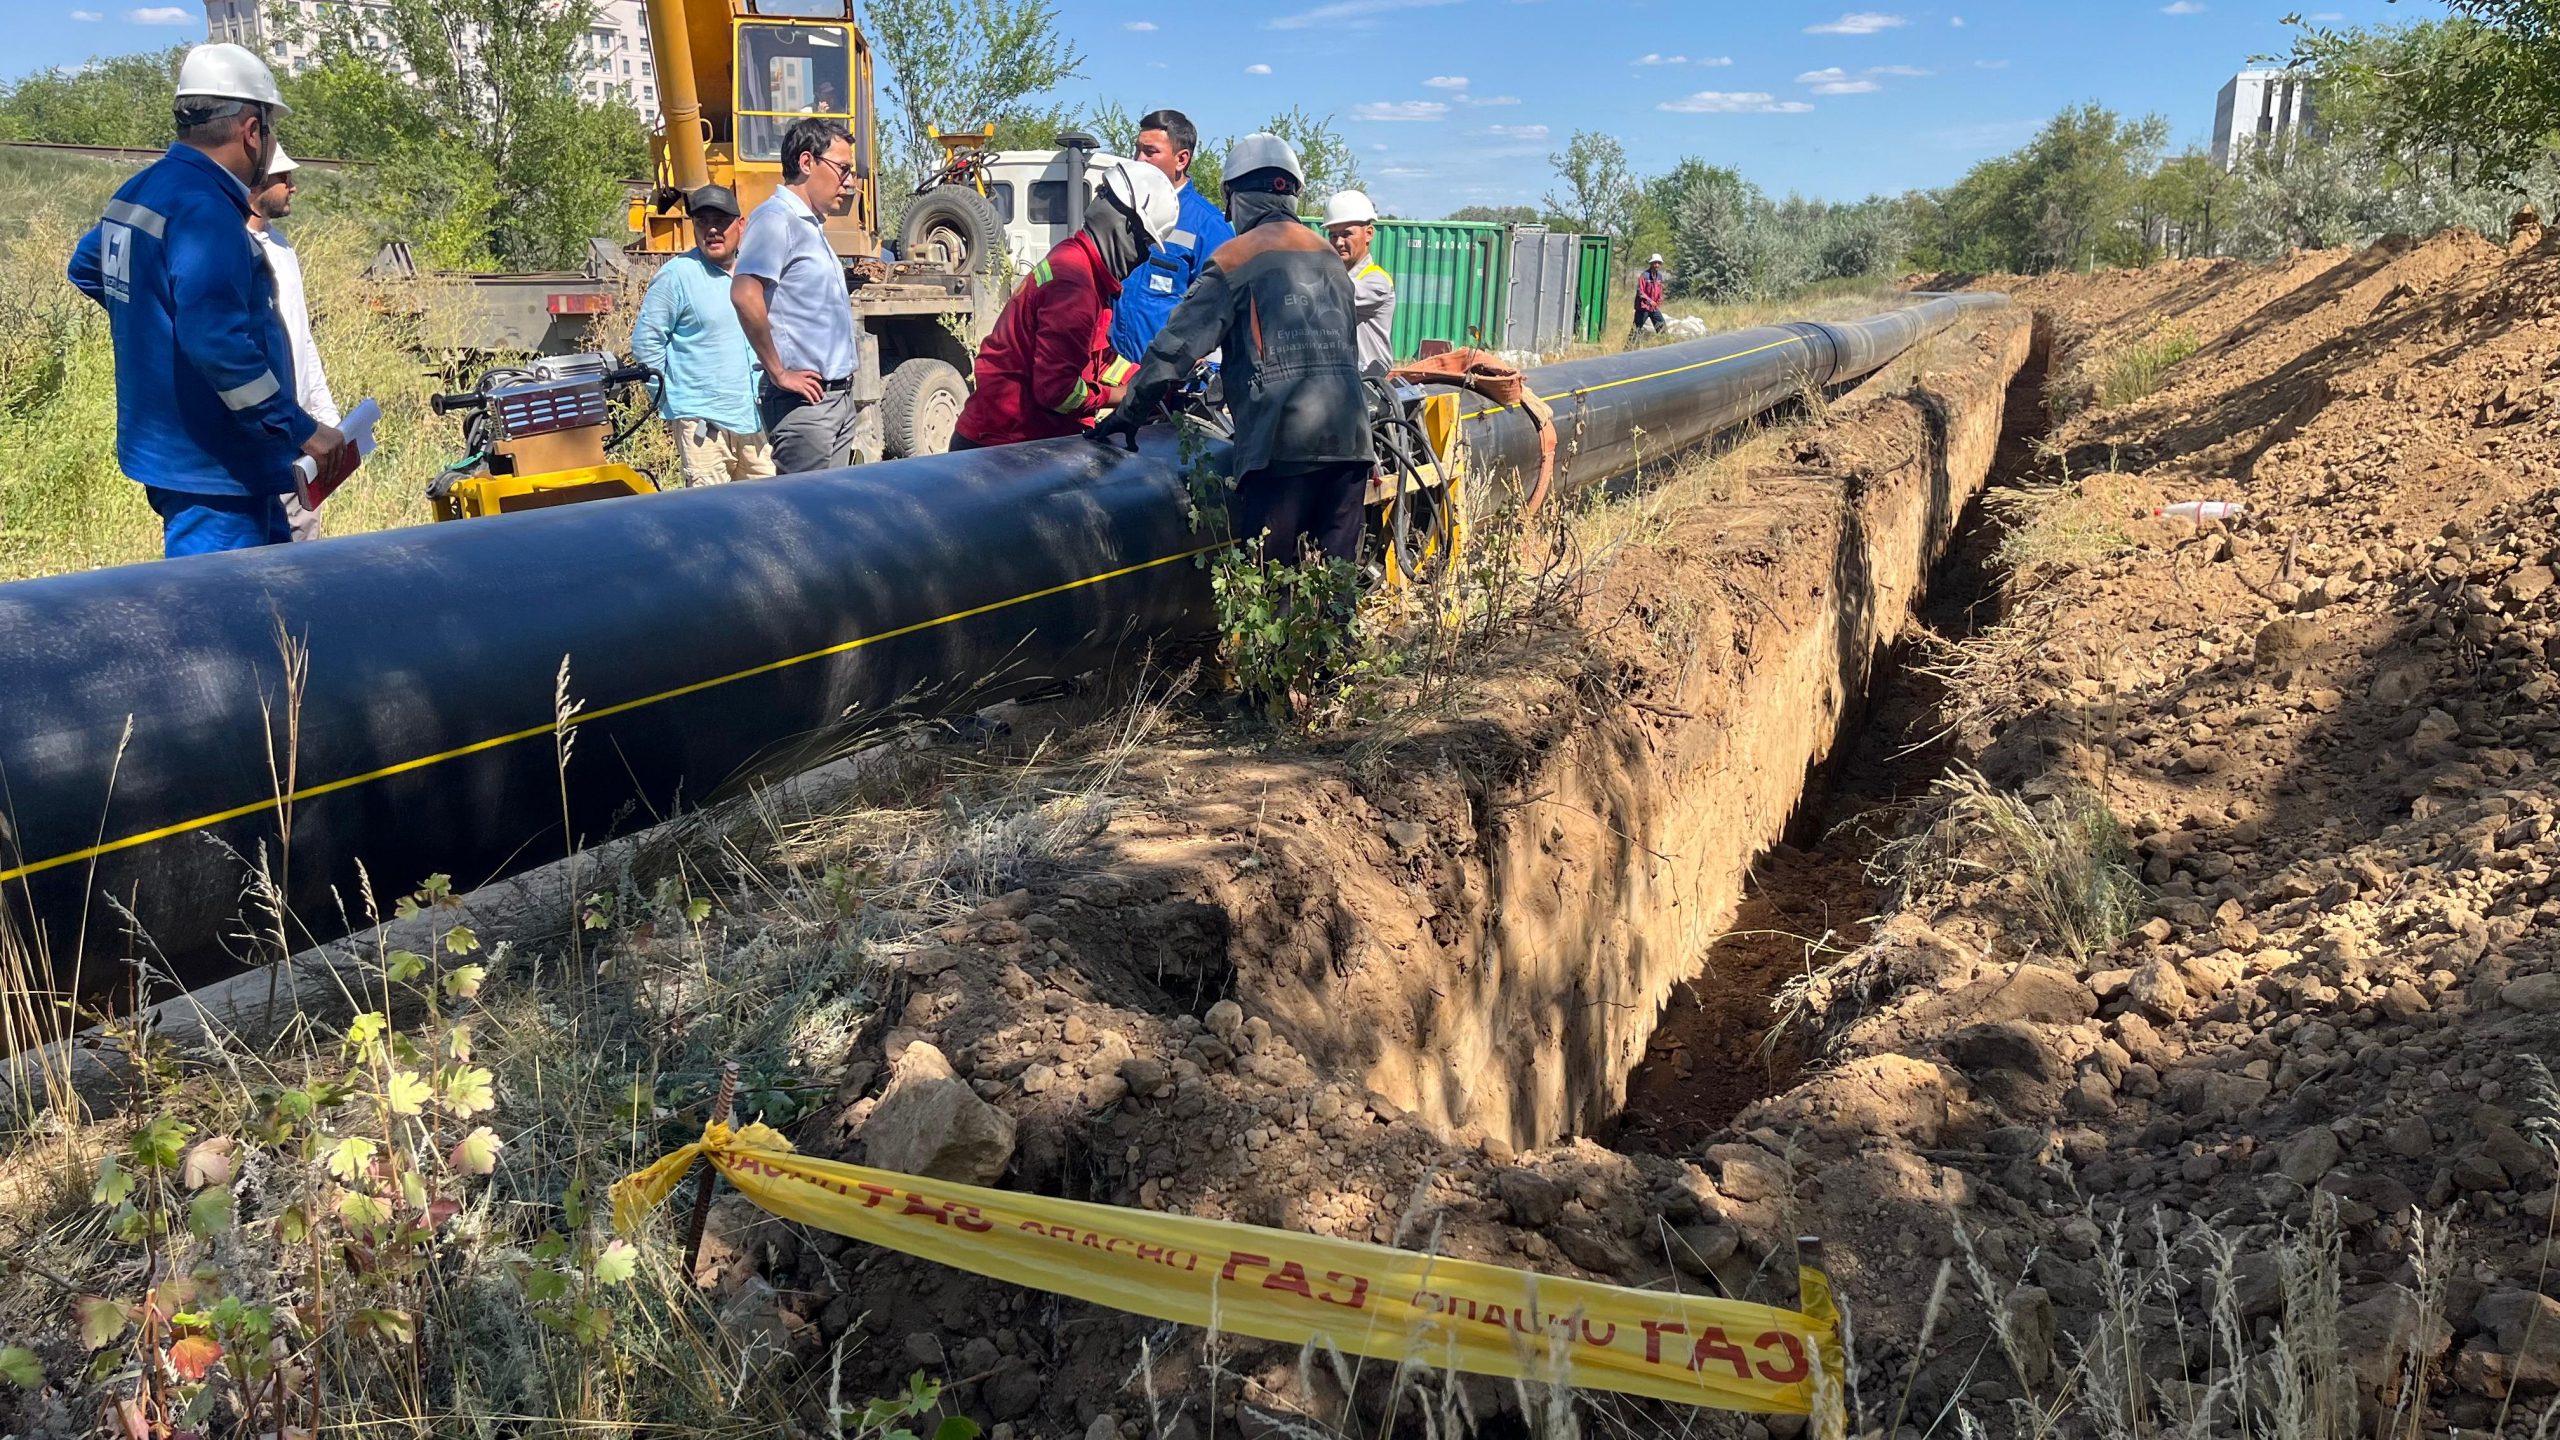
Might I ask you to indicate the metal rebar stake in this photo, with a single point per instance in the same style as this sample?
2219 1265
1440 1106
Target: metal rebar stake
702 1188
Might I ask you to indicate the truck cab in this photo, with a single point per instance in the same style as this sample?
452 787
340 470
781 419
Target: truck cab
1028 189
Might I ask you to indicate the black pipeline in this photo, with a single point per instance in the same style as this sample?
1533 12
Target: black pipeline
392 704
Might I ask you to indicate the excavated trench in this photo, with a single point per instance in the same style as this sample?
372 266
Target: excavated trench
1724 1039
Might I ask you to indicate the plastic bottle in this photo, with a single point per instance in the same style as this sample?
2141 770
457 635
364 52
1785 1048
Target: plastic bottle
2201 511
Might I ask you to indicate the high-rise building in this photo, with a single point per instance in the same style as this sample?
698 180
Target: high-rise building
615 51
2259 107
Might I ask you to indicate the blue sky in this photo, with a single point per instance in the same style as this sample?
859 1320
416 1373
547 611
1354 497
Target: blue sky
1456 102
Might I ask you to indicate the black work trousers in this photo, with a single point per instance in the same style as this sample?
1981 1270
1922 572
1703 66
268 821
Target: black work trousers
1304 507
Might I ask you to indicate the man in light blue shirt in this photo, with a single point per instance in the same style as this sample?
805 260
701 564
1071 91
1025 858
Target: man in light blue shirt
793 304
688 332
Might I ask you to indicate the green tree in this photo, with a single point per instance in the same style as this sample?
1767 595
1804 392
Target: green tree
1500 214
2477 95
959 64
486 154
117 100
1328 159
1600 192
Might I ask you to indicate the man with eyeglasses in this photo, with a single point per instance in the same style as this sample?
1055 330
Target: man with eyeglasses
207 418
688 332
793 305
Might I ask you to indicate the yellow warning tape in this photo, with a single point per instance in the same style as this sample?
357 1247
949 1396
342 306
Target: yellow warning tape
1277 1285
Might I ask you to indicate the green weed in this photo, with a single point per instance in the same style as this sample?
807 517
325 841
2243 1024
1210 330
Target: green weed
2138 371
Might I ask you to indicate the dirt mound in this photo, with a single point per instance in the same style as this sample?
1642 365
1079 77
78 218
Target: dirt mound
2324 735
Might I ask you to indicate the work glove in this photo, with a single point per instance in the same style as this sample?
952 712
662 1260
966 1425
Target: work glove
1121 424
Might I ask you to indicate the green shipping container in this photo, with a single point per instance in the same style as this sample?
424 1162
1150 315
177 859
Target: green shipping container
1592 308
1452 280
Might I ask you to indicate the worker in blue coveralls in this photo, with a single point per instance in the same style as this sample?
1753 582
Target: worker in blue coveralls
206 416
1166 139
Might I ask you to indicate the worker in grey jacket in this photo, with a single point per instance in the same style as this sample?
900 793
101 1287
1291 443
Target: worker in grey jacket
1351 223
1276 303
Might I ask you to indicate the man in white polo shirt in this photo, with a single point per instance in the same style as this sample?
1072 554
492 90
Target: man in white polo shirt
270 202
793 304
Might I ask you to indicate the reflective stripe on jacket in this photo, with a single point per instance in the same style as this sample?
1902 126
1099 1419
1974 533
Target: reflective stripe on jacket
1047 366
205 390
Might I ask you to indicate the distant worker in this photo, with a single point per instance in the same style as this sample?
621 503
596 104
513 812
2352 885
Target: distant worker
1048 366
792 302
271 202
688 332
206 418
1277 302
1649 297
1167 140
1352 223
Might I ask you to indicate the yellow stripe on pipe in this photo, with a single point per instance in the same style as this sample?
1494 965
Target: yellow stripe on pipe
308 792
1639 379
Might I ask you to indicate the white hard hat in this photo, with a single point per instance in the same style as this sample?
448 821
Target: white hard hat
1148 194
282 164
227 72
1349 207
1263 151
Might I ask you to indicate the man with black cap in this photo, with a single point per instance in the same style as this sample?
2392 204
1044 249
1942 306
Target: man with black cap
1276 303
688 332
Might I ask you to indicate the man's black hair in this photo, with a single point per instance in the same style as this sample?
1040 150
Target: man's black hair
1177 127
807 138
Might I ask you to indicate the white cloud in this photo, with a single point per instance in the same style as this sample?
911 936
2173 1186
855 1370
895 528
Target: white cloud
1400 110
1488 99
1662 60
1907 71
1402 172
1823 76
1990 64
1142 26
1986 137
1445 82
1847 87
2328 17
89 16
1861 22
161 15
1518 132
1351 14
1257 69
1733 102
1956 21
2183 7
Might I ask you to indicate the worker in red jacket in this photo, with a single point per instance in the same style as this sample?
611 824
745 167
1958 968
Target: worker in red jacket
1047 367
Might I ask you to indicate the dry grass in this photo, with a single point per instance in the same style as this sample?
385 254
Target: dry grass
2063 856
761 942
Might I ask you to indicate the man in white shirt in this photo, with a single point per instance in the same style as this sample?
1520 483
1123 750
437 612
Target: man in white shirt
270 202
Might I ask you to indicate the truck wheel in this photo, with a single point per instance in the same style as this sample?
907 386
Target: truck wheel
952 226
919 406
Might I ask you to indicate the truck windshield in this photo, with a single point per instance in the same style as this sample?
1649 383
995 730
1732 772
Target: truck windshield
785 72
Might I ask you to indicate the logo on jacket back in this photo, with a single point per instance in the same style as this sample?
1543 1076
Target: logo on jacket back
115 259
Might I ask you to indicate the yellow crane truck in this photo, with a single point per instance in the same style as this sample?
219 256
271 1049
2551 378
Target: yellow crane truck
732 76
